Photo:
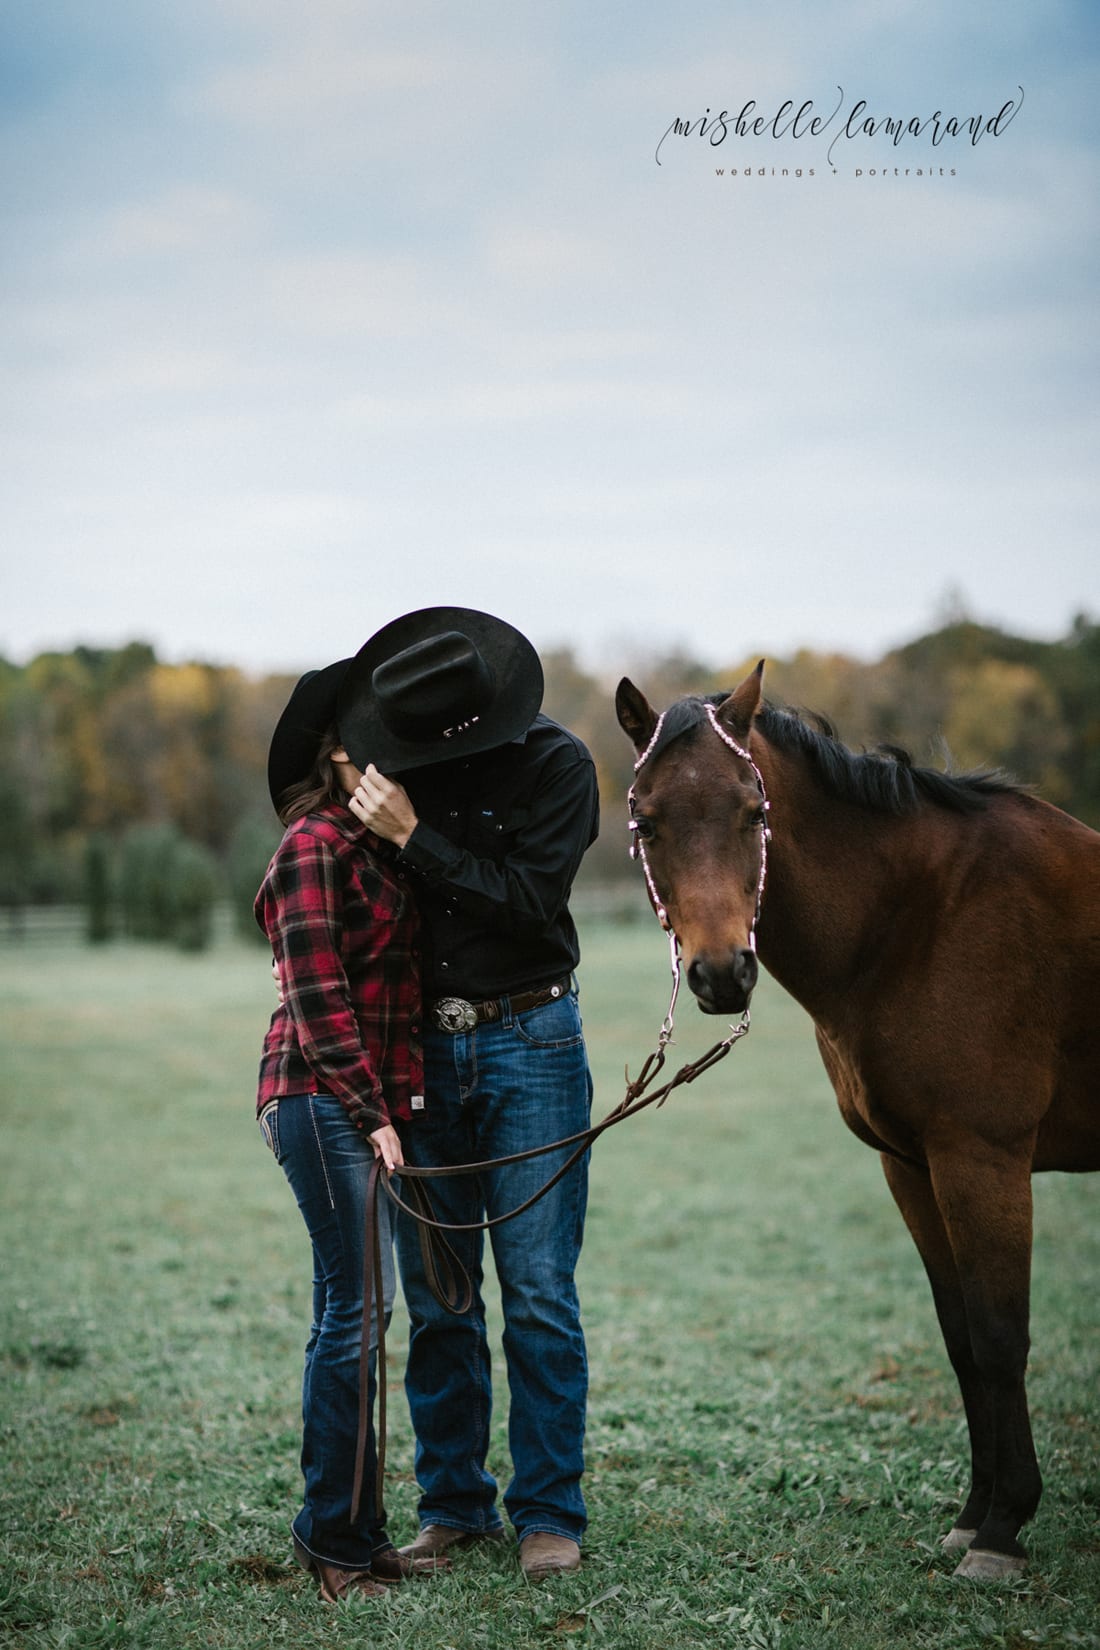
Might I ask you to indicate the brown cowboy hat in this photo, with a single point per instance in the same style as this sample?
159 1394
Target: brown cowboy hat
309 713
437 684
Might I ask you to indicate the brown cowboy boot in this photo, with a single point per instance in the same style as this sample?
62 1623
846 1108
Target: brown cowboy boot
336 1583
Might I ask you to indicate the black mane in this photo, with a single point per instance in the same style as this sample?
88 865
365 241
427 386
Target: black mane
884 779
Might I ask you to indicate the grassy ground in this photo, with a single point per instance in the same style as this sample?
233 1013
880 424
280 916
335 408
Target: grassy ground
775 1442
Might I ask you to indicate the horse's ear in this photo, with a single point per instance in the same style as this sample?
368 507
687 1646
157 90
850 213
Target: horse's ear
637 718
736 713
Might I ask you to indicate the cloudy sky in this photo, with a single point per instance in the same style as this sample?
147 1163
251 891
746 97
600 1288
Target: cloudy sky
316 311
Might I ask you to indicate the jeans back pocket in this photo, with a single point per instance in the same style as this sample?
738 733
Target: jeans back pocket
269 1126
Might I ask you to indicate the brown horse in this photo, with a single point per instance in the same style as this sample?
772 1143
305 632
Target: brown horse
944 935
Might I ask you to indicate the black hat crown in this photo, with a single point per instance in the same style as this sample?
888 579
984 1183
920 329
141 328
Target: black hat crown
435 689
436 684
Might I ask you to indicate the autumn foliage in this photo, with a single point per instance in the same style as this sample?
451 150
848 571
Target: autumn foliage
114 763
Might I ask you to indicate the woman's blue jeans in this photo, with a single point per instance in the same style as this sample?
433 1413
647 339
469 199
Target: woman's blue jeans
502 1088
327 1162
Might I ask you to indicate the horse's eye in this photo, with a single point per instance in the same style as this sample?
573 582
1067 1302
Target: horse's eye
757 817
643 826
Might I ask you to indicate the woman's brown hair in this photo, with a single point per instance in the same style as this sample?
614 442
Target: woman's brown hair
320 785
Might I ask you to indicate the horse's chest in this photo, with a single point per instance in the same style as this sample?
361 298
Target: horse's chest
876 1123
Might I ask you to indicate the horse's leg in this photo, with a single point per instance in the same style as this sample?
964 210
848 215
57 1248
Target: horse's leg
912 1189
984 1200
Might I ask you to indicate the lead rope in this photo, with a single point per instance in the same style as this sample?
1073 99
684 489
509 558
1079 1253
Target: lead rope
374 1305
447 1277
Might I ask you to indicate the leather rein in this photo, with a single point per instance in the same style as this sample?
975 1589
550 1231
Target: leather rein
445 1273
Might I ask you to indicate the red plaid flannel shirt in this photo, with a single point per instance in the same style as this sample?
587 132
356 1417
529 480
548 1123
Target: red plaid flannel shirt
343 928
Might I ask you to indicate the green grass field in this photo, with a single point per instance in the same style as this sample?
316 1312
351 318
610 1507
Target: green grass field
775 1440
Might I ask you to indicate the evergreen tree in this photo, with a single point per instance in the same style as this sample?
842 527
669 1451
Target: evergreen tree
99 908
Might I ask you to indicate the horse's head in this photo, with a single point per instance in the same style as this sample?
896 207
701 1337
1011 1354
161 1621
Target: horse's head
698 812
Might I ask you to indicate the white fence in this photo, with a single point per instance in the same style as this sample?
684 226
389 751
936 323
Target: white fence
34 925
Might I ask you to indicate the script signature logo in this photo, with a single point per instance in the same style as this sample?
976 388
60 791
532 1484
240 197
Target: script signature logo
802 123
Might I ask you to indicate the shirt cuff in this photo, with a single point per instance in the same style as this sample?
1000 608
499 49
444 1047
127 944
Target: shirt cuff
428 852
368 1115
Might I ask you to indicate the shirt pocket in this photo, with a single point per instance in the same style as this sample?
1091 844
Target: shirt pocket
495 831
383 904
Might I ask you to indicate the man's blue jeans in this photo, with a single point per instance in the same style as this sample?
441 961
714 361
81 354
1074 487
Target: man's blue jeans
501 1088
327 1162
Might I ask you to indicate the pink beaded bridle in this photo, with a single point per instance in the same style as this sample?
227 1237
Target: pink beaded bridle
637 851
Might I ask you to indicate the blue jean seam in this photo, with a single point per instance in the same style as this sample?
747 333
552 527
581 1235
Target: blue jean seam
321 1151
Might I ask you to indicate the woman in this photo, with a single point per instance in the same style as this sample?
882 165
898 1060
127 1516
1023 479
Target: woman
341 1063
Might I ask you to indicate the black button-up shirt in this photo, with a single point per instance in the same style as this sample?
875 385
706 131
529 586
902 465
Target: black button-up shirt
493 856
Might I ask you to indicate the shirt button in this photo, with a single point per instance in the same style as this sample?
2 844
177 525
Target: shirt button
444 965
454 813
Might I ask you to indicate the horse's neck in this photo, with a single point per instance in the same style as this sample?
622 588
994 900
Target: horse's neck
834 871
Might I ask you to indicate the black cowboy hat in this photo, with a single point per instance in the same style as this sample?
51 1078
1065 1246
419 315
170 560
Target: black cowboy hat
309 713
439 683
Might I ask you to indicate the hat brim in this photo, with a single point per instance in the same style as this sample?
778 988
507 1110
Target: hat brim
517 692
309 713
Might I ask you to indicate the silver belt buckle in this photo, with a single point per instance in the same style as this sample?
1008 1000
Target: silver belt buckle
454 1014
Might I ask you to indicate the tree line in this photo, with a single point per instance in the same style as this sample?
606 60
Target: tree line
139 787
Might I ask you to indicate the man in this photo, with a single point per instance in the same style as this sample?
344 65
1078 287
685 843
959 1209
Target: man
491 810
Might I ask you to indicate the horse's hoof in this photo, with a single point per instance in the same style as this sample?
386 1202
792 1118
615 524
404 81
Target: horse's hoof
980 1565
957 1540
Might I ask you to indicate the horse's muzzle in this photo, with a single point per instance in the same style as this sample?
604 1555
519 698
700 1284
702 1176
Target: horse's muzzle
723 988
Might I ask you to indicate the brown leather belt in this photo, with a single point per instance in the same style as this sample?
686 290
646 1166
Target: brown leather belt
456 1014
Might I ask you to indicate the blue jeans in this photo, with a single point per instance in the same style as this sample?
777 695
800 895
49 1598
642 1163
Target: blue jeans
502 1088
327 1161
